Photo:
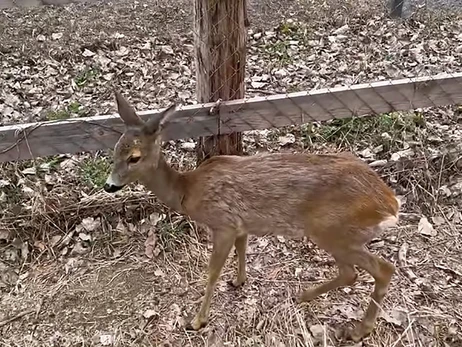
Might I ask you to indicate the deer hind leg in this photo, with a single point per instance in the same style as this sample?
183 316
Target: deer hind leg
382 271
241 246
222 244
346 277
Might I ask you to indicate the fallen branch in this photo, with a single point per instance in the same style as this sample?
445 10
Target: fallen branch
18 316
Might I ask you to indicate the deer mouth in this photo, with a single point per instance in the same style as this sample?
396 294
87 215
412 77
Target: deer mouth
111 188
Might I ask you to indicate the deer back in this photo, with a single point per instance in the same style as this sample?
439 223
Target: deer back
287 194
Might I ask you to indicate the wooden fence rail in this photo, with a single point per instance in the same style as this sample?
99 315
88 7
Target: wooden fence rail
26 141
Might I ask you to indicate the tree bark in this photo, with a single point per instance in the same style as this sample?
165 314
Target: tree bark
220 42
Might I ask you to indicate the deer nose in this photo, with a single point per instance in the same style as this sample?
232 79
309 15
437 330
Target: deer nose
111 188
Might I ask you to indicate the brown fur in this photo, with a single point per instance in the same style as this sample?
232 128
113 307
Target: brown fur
335 200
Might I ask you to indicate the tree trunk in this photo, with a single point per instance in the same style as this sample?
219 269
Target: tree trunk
220 43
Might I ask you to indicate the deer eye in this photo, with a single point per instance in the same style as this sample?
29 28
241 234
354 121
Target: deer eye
133 160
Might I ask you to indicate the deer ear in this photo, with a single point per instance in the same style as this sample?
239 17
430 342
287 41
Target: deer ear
157 123
126 111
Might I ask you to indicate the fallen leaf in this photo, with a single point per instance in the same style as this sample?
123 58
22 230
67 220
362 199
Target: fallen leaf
167 49
318 331
49 179
4 234
118 36
56 36
79 249
29 171
425 227
159 273
24 250
188 146
121 228
106 340
87 53
84 237
366 153
150 313
396 316
281 73
378 163
150 244
407 153
184 95
257 85
88 224
287 139
40 245
4 183
72 264
155 217
438 220
68 164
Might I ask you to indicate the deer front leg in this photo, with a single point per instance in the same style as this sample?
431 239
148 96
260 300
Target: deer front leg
222 244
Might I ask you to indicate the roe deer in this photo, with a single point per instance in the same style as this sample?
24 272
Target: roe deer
337 201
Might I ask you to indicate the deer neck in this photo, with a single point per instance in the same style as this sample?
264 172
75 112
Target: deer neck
166 183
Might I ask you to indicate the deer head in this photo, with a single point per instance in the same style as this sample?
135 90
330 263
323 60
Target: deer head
139 148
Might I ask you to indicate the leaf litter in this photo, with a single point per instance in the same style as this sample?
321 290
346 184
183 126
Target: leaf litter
123 261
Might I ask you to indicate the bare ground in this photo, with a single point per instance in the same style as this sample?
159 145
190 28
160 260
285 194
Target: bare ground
81 268
106 299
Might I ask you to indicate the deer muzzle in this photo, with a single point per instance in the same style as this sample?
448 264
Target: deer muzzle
111 188
112 185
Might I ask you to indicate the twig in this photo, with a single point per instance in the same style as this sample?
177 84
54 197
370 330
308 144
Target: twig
39 307
402 262
12 319
25 132
37 312
404 333
447 269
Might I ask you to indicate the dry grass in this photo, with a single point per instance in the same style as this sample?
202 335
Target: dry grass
110 296
79 267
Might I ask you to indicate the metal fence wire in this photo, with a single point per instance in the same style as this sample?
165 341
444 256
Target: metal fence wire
28 141
220 41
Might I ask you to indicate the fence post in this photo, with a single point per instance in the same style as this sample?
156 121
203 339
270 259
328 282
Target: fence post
220 43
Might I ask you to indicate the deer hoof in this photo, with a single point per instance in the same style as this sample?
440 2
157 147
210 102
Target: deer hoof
236 283
305 296
196 324
359 332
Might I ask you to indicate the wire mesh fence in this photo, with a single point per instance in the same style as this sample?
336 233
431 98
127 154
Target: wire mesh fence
221 32
409 8
28 141
222 111
220 36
